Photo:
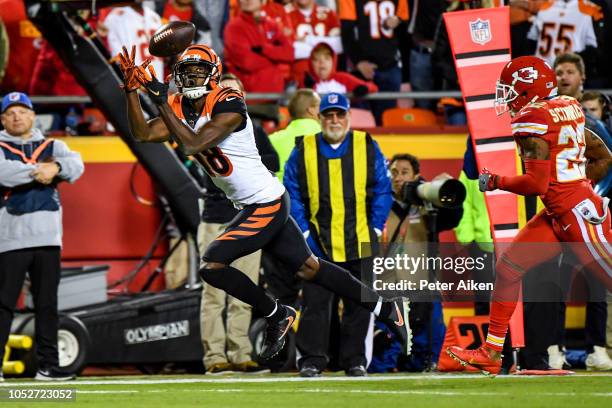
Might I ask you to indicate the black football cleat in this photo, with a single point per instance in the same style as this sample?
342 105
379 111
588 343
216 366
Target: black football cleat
276 334
357 371
397 322
53 374
310 372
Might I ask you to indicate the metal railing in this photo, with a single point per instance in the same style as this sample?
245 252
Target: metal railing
58 100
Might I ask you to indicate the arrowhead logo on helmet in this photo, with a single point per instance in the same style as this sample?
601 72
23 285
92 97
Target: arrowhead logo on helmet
527 75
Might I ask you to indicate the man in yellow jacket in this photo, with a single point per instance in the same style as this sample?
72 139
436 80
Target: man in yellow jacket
304 112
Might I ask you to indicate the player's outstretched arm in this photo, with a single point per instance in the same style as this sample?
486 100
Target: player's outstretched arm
152 131
536 154
598 156
190 142
214 132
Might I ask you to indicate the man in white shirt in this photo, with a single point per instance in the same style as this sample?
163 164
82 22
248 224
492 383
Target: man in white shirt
133 25
564 26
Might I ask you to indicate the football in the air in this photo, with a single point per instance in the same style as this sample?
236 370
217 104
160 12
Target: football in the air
172 38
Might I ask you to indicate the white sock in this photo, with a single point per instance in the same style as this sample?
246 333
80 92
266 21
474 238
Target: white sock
378 306
273 311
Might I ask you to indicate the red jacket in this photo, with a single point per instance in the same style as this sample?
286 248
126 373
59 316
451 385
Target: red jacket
340 82
51 77
24 44
258 70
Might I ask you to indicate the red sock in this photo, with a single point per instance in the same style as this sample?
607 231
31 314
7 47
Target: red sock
505 296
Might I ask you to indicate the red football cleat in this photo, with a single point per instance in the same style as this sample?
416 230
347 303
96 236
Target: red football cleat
478 358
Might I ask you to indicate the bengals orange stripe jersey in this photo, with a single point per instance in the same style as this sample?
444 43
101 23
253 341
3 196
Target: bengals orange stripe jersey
365 35
218 100
234 165
561 27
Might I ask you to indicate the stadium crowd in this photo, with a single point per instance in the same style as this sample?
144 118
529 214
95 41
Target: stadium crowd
400 46
345 47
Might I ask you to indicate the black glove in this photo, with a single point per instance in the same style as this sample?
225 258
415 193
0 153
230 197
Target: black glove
257 49
409 192
487 181
309 81
158 91
360 90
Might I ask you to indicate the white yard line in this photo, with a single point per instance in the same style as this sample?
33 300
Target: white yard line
107 391
334 391
275 379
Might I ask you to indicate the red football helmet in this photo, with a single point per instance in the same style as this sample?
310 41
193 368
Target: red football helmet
524 80
208 68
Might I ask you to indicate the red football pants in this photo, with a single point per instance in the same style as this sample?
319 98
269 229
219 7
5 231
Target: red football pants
590 244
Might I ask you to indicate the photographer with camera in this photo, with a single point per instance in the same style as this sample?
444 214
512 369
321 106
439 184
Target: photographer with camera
419 212
415 200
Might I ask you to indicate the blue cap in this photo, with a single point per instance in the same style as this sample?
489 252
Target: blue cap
16 98
334 101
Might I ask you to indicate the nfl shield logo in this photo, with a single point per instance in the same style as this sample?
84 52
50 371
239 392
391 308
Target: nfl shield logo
480 31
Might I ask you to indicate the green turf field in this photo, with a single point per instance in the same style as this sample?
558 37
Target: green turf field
273 391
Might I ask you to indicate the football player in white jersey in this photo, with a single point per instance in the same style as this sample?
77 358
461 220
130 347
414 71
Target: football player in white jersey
564 26
135 25
211 123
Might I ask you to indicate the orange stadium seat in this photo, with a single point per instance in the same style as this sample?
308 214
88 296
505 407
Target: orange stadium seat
362 118
397 117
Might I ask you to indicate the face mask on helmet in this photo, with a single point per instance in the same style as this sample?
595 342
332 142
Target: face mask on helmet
193 78
504 94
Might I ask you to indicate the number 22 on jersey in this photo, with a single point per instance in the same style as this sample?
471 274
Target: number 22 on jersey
570 162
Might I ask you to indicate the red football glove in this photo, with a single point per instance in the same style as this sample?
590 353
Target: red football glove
487 181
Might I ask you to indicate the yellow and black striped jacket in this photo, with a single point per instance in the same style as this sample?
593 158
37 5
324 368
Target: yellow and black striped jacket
345 193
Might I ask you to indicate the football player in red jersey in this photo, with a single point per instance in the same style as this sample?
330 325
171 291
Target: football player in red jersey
557 154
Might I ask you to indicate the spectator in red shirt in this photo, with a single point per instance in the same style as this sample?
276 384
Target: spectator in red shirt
312 25
51 77
278 13
256 48
24 45
273 9
183 10
323 77
176 10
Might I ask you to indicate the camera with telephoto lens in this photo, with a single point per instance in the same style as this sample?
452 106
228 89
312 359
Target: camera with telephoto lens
442 192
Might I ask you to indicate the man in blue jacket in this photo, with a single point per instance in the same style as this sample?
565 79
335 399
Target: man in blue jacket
340 197
31 224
